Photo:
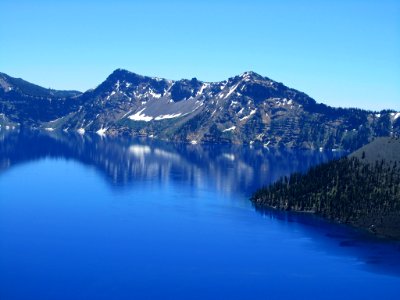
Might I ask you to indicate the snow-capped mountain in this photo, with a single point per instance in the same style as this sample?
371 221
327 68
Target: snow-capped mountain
248 108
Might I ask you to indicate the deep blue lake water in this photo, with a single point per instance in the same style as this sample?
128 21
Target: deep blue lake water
84 217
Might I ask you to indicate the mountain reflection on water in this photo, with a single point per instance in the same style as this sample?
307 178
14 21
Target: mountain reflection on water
127 161
232 170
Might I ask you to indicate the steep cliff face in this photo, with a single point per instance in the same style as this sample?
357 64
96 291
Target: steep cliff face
248 109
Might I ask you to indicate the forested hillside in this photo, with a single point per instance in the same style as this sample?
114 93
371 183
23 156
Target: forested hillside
362 189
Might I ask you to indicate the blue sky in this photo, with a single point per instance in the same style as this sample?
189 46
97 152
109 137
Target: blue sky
342 53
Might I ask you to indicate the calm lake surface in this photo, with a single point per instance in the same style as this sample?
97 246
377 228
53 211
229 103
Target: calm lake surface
85 217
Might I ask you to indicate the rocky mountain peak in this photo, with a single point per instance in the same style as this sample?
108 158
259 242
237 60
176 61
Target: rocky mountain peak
247 108
124 75
251 75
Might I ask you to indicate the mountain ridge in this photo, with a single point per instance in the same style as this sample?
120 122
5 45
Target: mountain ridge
244 109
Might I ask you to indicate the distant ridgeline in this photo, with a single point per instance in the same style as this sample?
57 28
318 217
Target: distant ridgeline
362 189
245 109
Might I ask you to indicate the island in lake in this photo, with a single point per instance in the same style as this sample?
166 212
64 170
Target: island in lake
361 189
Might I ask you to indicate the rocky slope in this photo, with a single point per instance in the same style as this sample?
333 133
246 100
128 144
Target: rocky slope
22 102
244 109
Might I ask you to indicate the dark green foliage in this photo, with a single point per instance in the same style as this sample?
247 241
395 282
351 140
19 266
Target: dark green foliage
382 148
347 190
383 125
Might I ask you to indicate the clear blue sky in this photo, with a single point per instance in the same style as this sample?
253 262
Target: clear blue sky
343 53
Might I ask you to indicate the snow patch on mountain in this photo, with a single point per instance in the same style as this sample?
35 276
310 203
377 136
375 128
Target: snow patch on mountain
232 90
395 115
204 86
229 129
153 94
252 112
162 117
140 117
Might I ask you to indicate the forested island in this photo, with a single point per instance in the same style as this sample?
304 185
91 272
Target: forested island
361 189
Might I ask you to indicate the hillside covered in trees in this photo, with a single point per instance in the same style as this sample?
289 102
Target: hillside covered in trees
362 189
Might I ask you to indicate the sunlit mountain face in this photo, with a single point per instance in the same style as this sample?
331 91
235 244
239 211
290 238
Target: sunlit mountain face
245 109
